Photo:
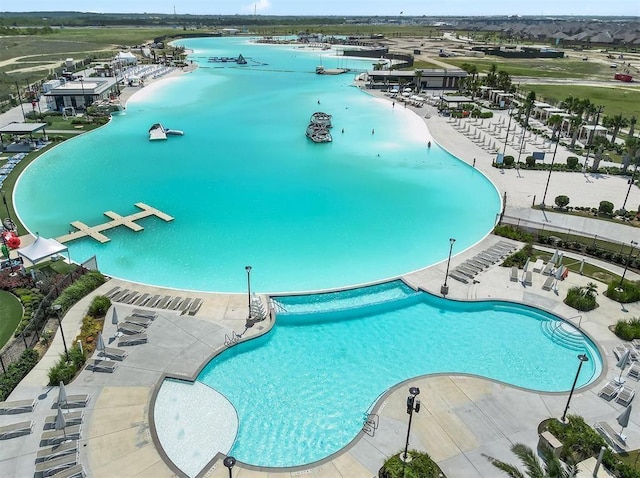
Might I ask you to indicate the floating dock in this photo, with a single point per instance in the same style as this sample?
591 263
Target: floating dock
95 232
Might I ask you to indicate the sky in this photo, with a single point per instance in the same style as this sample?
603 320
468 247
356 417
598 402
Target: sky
341 7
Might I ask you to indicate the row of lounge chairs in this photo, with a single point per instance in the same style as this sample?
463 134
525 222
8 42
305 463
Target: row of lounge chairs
18 429
471 267
621 393
186 305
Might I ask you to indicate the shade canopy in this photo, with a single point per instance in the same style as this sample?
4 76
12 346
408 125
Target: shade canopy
623 418
41 249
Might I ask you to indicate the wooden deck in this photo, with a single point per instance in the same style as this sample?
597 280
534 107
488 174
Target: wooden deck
95 232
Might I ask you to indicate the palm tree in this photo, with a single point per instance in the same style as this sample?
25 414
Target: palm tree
503 80
632 125
551 466
615 122
590 290
632 148
554 121
529 101
491 79
418 75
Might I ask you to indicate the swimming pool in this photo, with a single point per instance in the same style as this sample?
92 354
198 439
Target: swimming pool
245 185
301 391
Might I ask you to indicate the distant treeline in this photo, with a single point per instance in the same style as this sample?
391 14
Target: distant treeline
76 19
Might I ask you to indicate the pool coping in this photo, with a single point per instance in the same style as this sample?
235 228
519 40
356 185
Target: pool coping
376 405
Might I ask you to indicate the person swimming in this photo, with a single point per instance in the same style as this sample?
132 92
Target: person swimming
429 144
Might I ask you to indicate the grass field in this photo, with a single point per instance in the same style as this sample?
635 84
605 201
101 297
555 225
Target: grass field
539 67
10 315
622 101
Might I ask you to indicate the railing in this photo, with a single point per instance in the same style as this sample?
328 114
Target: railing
232 339
574 317
370 425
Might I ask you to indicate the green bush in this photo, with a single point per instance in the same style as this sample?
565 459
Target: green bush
508 161
512 233
99 306
64 371
628 329
420 466
582 298
81 287
628 291
519 258
562 201
605 207
17 371
531 161
572 162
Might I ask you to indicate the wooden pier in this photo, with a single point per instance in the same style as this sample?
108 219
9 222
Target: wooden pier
95 232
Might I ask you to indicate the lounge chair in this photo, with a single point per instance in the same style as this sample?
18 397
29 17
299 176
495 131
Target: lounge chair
15 430
175 303
131 298
17 406
73 401
636 343
195 306
619 351
452 274
547 268
528 278
538 265
514 274
480 263
108 366
163 302
142 299
73 472
112 292
70 418
184 305
51 467
548 283
134 339
130 329
466 272
141 321
56 451
610 390
153 301
472 265
53 437
614 439
147 314
625 395
118 296
113 353
634 371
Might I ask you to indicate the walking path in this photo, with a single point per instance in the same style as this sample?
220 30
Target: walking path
463 417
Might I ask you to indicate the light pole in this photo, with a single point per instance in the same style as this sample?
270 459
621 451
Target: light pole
4 200
248 269
506 139
229 462
444 290
57 308
626 266
413 404
633 176
84 100
583 358
553 159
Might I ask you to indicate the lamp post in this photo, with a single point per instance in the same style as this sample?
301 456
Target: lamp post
631 181
444 290
626 266
248 269
506 139
553 159
229 462
413 404
84 100
583 358
4 200
590 137
57 308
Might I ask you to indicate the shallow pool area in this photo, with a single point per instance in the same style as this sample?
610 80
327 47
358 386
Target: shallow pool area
245 185
303 390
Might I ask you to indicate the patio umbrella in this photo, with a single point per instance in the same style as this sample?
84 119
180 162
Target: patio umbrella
554 257
524 269
623 419
100 345
114 318
61 423
581 265
62 394
622 363
560 257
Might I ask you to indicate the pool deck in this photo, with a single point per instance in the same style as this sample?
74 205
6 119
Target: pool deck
462 417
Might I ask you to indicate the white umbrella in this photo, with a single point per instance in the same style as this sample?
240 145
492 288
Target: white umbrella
554 257
100 346
560 257
114 318
62 394
622 363
524 269
623 419
61 423
581 265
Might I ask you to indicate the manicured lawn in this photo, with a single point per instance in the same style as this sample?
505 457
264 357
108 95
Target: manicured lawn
10 315
615 100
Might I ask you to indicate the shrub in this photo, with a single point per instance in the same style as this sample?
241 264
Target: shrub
519 258
606 207
513 233
420 466
628 329
508 161
17 371
99 306
562 201
64 371
582 298
626 293
531 161
572 162
80 288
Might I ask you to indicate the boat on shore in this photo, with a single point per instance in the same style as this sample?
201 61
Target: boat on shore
158 132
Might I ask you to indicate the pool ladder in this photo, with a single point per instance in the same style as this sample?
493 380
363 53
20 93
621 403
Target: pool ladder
370 425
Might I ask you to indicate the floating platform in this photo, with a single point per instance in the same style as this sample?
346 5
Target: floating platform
95 232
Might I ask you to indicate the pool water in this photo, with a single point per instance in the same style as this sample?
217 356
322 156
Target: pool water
245 185
302 390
